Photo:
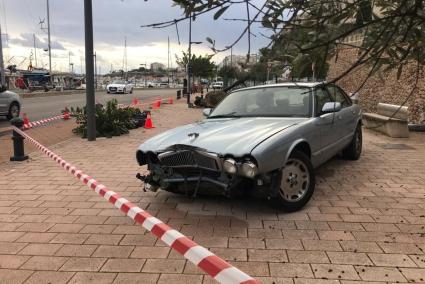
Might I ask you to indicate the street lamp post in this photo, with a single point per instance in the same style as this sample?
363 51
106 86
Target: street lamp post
189 61
90 95
2 75
189 67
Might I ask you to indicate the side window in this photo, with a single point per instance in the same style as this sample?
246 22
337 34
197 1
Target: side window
322 97
339 96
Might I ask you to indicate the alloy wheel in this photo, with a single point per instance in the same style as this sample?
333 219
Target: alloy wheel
295 180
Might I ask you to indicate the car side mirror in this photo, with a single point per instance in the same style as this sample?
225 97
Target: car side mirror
207 111
331 107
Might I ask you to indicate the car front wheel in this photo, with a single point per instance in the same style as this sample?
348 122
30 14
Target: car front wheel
13 111
297 182
354 149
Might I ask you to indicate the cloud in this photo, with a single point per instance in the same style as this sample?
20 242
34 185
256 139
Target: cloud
27 40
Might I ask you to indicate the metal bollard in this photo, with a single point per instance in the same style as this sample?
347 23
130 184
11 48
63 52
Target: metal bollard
18 142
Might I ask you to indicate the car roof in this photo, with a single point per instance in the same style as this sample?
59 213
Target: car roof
288 84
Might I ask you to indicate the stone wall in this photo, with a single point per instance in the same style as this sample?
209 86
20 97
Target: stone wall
381 87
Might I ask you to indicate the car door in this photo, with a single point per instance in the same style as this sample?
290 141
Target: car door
345 118
4 102
325 125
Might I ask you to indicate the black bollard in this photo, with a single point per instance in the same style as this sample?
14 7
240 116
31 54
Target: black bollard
18 142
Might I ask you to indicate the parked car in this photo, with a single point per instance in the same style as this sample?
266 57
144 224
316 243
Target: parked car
268 138
218 85
10 103
119 87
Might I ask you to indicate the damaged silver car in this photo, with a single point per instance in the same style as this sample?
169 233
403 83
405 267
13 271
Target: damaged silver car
264 139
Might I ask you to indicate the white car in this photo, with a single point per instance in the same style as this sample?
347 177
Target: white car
10 103
119 87
218 85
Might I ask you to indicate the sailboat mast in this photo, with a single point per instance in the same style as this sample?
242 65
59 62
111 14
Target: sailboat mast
2 76
48 41
35 50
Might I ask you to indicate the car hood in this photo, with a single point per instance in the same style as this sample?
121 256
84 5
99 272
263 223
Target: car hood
9 94
116 85
235 136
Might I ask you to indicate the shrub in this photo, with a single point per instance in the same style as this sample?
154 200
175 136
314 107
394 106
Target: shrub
213 98
110 120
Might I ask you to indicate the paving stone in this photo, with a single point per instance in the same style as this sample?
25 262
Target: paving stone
136 278
296 270
391 260
44 263
164 266
14 276
83 264
307 256
40 249
12 261
113 251
40 277
269 255
93 277
334 271
349 258
389 274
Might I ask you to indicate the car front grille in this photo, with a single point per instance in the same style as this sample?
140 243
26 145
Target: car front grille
187 158
112 89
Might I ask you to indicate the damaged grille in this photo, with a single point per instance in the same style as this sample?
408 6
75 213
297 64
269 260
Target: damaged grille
188 158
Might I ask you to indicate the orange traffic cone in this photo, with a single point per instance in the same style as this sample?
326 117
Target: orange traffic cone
170 100
149 123
26 121
155 105
135 102
66 116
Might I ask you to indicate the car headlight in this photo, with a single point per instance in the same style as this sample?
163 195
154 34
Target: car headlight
230 166
249 169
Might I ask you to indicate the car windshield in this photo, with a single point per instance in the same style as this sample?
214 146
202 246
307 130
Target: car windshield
118 82
289 101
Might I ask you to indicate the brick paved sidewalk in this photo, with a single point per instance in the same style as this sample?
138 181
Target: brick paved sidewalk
366 221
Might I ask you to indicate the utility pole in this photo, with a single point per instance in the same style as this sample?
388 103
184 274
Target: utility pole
189 67
35 50
90 95
231 56
2 76
69 61
48 42
168 59
95 71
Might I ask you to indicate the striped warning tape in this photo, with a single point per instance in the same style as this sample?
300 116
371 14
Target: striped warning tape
216 267
42 122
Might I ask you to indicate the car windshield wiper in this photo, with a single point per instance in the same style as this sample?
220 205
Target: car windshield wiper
230 114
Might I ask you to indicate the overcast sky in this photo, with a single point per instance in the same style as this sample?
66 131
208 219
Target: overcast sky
113 20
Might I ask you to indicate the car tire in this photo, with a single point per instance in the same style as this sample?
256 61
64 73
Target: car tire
131 90
14 111
295 183
354 149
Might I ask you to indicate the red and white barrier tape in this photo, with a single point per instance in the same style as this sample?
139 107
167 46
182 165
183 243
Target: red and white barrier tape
216 267
42 122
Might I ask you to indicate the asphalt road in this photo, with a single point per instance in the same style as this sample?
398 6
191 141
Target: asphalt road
45 107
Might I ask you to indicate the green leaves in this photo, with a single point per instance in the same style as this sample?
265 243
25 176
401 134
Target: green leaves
220 12
110 120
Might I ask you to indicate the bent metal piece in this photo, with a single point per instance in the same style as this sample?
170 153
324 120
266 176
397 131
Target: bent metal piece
216 267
